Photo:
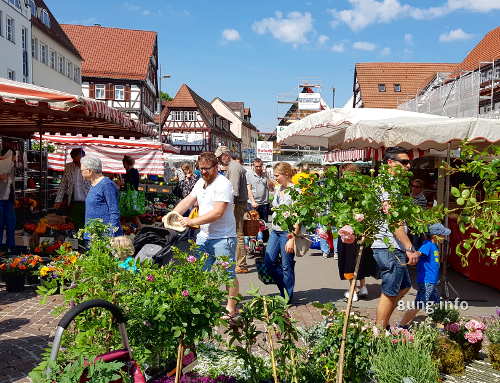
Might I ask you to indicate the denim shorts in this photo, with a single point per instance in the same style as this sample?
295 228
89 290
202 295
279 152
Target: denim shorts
218 249
395 276
427 292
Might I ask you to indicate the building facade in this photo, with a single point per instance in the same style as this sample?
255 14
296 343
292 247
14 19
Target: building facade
15 40
120 67
56 62
192 124
241 126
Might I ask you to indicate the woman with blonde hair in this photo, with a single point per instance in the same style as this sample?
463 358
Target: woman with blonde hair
281 242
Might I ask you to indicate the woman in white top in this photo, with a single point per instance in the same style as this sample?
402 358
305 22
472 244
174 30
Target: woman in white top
282 242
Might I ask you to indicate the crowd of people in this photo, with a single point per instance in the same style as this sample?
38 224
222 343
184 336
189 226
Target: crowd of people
222 191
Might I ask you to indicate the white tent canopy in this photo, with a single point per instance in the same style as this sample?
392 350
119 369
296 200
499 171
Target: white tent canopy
375 128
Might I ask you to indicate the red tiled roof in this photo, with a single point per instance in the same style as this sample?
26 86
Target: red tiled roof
113 52
410 76
55 31
235 105
487 50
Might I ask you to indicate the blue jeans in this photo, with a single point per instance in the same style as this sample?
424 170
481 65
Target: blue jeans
8 221
218 249
282 270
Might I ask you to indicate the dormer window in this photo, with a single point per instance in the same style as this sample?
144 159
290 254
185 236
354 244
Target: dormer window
16 3
397 88
44 17
381 87
32 5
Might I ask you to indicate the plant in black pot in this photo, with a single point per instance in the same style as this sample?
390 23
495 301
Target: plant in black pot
14 271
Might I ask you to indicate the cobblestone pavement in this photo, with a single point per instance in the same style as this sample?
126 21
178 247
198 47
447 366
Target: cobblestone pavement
27 327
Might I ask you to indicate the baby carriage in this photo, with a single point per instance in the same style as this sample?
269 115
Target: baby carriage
124 355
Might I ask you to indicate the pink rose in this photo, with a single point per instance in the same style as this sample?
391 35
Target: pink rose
359 217
191 259
185 293
474 325
385 207
225 265
150 278
474 336
347 234
453 327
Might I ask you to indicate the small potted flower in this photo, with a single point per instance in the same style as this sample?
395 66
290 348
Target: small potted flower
33 263
493 334
469 335
14 271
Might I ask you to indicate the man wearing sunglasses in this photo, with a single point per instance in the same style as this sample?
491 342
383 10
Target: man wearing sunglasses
392 264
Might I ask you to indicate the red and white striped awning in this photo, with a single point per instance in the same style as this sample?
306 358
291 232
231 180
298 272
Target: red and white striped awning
27 108
367 154
148 155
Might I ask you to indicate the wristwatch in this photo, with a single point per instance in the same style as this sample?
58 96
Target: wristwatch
412 249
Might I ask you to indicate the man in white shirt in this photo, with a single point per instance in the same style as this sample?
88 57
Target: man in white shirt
217 236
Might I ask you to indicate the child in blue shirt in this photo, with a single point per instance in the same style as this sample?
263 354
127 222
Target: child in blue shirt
427 272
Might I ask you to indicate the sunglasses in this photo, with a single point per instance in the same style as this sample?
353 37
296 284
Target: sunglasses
404 162
206 169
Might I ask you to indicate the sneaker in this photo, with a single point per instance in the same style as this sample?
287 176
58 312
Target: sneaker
241 270
363 292
354 297
326 255
335 256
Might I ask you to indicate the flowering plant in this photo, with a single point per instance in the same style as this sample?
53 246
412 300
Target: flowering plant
17 265
471 331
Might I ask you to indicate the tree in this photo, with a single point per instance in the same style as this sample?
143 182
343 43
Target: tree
164 96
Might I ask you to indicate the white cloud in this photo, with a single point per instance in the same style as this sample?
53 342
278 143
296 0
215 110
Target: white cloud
455 35
386 51
339 48
364 46
138 9
291 29
322 39
230 35
408 38
366 12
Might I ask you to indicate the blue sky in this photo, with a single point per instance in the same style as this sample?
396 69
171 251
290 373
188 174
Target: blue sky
253 51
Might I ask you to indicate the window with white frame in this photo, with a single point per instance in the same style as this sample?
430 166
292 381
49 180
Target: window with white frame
44 17
34 48
44 53
24 38
11 29
31 4
11 74
53 59
62 65
100 91
77 75
1 23
177 115
119 92
70 70
192 115
16 3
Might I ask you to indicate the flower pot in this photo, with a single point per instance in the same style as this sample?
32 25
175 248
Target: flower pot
471 351
494 354
14 283
32 279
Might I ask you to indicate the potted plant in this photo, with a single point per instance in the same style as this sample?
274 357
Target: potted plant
493 334
33 263
14 271
469 335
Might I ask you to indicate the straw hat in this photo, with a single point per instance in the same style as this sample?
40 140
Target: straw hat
172 221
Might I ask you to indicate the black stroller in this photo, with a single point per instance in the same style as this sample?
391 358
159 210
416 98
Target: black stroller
124 355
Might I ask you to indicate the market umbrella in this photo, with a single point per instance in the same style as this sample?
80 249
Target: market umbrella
26 109
375 128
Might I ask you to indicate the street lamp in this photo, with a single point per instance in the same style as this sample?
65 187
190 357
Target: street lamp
160 104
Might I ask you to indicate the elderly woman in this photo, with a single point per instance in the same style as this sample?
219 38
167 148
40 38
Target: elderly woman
102 198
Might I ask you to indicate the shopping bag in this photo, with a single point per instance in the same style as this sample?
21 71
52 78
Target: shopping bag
263 272
193 214
302 244
132 203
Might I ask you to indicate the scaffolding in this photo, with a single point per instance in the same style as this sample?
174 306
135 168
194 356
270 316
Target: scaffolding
470 94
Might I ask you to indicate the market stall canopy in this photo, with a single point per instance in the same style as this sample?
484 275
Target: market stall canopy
27 108
148 155
375 128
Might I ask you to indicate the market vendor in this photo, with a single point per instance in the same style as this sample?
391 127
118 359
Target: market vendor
7 212
73 189
102 198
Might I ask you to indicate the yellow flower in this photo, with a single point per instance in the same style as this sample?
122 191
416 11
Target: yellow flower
43 271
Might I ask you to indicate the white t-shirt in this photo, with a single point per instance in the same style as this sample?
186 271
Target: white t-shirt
220 190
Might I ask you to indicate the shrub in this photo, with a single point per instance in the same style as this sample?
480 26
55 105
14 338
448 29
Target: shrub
449 356
494 354
395 362
444 315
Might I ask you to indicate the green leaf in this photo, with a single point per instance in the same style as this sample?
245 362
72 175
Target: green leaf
465 193
460 201
195 310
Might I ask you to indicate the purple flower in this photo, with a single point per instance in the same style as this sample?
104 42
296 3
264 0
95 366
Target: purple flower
150 278
185 293
498 312
191 259
453 327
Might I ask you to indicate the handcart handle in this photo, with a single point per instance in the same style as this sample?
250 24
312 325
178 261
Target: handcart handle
75 311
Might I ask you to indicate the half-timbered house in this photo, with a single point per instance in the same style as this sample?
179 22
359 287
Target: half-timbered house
120 67
191 123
